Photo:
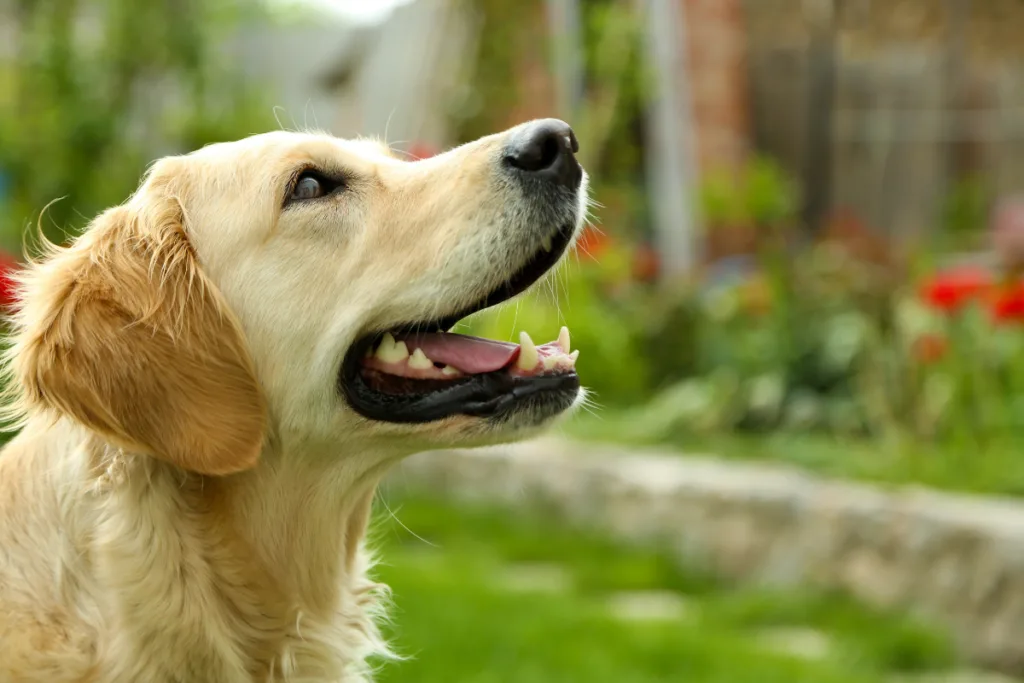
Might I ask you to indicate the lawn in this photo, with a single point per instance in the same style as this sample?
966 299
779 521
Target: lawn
486 596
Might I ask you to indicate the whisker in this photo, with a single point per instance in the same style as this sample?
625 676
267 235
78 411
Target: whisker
394 516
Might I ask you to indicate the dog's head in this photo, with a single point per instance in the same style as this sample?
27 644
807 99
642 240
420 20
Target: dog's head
303 286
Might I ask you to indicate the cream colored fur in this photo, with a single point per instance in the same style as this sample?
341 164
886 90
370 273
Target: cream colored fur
188 497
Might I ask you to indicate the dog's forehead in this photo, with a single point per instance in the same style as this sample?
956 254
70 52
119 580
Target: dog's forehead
283 150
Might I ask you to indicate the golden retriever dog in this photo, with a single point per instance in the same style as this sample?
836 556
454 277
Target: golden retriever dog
211 381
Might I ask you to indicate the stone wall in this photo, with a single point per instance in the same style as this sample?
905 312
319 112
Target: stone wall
957 559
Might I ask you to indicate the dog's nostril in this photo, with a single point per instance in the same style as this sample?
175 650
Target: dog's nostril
537 150
546 148
549 151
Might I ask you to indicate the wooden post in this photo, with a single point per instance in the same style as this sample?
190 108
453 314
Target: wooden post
959 155
820 104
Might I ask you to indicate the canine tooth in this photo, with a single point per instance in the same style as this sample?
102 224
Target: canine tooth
391 351
563 339
546 243
449 370
387 343
528 354
572 358
419 361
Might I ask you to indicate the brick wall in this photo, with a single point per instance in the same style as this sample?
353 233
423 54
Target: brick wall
719 91
717 64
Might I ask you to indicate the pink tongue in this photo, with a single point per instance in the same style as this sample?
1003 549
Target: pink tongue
471 355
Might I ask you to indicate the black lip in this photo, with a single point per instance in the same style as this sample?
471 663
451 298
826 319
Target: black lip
487 395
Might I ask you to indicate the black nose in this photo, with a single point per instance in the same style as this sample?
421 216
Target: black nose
545 150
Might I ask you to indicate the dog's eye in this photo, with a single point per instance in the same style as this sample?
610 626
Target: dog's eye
308 187
313 185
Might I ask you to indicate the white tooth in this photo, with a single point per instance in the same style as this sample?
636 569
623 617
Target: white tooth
419 361
391 351
528 354
572 358
449 370
546 243
387 343
550 361
563 339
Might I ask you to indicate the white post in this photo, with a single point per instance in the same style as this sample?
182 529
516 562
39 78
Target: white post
567 49
672 172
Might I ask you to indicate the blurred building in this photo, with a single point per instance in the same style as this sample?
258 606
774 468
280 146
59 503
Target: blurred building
389 78
881 108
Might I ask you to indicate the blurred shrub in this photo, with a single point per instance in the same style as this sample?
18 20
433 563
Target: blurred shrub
93 89
966 207
746 208
760 193
830 344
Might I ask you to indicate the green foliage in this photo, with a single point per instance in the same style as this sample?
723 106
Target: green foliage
719 202
777 349
966 207
770 194
759 194
93 87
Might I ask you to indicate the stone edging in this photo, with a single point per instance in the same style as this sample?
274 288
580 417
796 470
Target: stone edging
957 559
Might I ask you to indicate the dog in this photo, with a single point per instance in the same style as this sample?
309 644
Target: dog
213 378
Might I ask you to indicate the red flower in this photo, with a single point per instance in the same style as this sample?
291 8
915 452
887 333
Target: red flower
953 289
1009 304
645 263
421 150
930 348
8 295
593 242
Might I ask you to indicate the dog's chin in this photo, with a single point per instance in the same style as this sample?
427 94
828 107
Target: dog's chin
464 431
418 372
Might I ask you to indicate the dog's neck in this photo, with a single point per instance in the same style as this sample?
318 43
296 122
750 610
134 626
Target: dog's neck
305 518
283 544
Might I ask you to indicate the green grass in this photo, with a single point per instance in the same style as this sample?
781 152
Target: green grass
968 467
461 623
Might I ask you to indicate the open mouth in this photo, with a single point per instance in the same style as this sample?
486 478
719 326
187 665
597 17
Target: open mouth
420 372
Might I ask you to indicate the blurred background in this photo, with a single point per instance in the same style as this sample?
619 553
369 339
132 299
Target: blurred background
809 251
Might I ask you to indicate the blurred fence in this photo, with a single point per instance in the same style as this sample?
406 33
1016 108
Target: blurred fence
926 94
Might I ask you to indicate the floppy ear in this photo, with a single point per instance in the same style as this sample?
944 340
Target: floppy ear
122 332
